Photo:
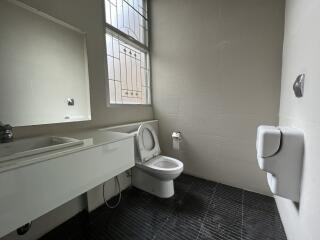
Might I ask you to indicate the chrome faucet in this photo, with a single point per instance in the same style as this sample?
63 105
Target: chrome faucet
6 133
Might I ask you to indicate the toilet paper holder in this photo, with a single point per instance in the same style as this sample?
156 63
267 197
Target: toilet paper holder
177 136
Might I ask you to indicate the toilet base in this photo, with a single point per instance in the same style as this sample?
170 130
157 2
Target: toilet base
151 184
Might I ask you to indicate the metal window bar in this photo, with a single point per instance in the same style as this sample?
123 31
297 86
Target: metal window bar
137 11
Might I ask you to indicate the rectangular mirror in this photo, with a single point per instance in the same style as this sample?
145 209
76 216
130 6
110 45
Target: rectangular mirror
43 68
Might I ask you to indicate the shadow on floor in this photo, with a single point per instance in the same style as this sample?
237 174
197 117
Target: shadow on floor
200 209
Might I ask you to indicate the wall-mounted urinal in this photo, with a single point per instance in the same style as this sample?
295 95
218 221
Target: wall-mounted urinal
280 154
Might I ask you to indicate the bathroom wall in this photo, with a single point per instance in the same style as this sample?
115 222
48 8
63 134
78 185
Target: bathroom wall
301 55
88 16
216 70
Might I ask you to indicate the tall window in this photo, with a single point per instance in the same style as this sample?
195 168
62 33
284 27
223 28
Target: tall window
127 51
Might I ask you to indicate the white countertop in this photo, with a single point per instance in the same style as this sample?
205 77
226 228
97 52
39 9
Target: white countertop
92 138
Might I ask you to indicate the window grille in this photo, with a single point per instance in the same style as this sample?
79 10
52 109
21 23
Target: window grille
127 51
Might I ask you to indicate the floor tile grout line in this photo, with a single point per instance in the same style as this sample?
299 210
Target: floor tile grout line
205 216
172 212
242 213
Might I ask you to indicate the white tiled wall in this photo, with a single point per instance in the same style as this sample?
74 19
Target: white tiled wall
216 70
301 55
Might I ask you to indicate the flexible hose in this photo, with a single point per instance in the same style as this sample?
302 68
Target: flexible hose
119 195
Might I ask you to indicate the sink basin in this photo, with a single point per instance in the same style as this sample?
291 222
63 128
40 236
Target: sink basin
32 146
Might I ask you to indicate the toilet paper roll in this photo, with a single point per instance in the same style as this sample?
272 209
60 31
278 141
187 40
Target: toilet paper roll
176 144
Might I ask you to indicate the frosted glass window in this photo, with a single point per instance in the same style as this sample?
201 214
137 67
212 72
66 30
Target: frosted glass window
128 73
127 51
128 16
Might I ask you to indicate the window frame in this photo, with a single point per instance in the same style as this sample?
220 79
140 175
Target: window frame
134 43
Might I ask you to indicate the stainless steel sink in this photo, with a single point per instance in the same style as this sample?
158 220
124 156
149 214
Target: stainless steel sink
33 146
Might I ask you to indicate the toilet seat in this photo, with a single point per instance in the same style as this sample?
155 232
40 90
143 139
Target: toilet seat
162 167
148 143
163 164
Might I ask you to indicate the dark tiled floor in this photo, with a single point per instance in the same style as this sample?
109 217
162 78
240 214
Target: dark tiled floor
199 210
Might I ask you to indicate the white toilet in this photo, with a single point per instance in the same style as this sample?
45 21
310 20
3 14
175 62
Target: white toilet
153 173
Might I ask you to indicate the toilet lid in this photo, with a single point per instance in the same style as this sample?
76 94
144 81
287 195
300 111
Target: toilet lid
147 142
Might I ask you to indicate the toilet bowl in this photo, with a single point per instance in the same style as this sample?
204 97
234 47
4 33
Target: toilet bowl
153 172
